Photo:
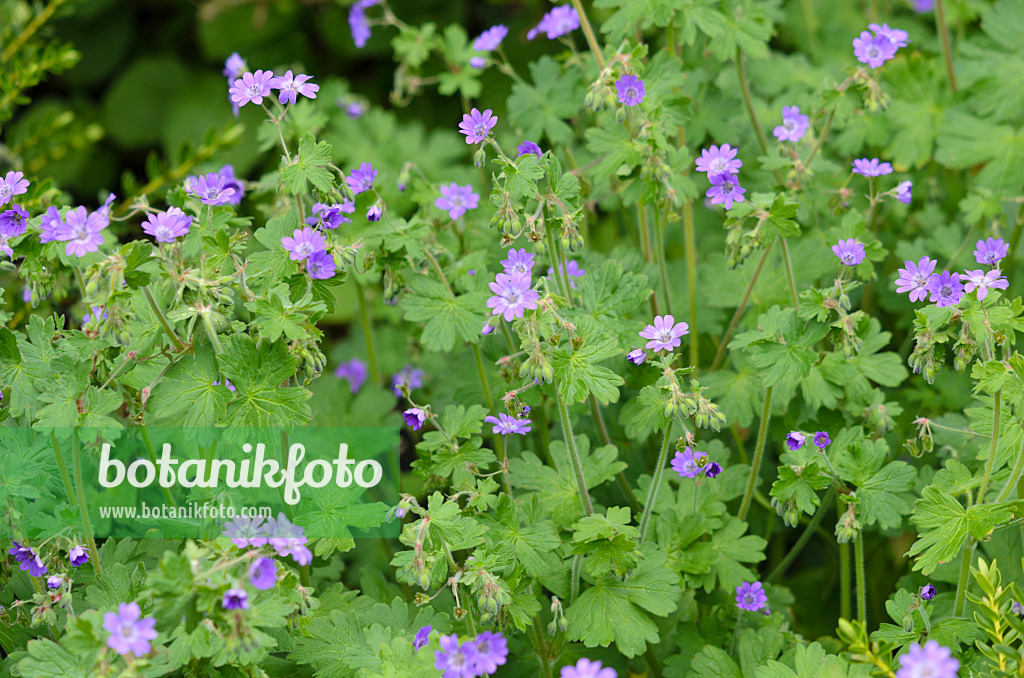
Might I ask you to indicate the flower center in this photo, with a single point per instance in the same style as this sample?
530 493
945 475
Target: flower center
665 336
873 52
5 191
718 165
254 90
513 298
748 599
631 93
946 291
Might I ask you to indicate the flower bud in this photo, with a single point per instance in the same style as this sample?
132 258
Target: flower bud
480 157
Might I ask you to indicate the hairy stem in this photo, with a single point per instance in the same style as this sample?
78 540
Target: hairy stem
963 581
947 49
690 243
996 407
163 320
367 323
862 594
168 497
211 331
574 455
789 273
659 241
720 353
659 471
1015 477
755 466
588 31
748 101
83 507
844 580
62 465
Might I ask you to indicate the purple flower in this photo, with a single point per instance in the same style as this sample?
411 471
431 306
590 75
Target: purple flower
904 192
923 6
505 424
873 50
227 385
487 328
210 188
984 281
331 216
235 599
513 295
9 251
50 224
358 23
793 126
559 21
914 278
725 189
685 464
414 418
476 125
97 314
528 147
717 160
234 66
477 62
11 185
355 371
932 660
288 539
945 289
54 582
457 661
712 469
490 39
251 87
894 35
665 333
990 251
636 356
821 440
355 110
849 251
291 86
227 172
263 573
1016 607
78 556
303 242
871 167
519 261
572 270
423 635
81 231
246 531
128 633
320 265
13 221
586 668
457 199
491 652
373 213
795 440
167 226
410 377
630 89
361 180
927 591
751 596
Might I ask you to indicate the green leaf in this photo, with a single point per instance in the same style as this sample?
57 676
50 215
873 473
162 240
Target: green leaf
967 141
277 316
188 391
608 540
578 372
883 490
530 543
541 109
447 318
257 374
617 611
309 165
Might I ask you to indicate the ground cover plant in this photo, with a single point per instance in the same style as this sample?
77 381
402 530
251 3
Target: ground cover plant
697 321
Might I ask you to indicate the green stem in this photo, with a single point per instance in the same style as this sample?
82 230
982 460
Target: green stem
821 138
574 455
755 466
720 353
504 465
595 409
212 333
483 377
653 663
561 273
808 532
862 594
659 243
83 507
990 462
962 582
789 273
152 458
163 321
1015 477
690 243
588 31
62 465
540 648
844 580
749 101
947 49
574 591
659 471
30 30
371 349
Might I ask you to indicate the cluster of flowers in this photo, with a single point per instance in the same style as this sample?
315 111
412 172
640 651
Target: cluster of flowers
487 42
358 22
947 289
874 50
285 537
252 87
796 439
513 289
561 20
478 657
794 125
872 167
721 166
690 464
30 561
